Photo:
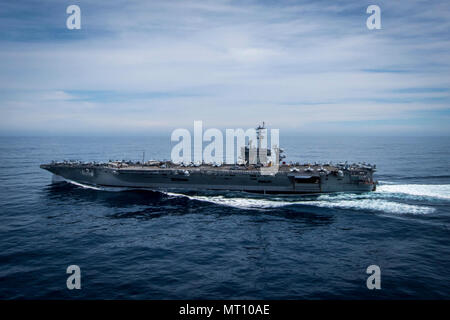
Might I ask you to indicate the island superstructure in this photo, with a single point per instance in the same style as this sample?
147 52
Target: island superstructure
248 175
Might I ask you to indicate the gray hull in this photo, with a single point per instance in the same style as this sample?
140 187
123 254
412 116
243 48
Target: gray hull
199 179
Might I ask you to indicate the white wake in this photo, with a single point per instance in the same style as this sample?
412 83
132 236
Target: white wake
436 191
386 199
341 201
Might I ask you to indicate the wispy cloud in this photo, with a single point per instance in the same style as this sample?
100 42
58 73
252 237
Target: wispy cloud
139 66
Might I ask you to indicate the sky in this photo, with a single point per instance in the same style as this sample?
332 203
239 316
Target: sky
148 67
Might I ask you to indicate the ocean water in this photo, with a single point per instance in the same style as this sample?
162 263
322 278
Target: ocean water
134 244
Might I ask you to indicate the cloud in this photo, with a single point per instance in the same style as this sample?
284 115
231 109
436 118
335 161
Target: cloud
296 64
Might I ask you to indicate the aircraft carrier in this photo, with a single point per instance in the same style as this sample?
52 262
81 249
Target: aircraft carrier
252 174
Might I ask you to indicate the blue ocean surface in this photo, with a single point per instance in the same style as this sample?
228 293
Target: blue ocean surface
138 244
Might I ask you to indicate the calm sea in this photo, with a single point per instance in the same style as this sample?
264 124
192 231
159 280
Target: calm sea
151 245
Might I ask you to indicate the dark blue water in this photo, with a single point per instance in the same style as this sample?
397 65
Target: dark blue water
151 245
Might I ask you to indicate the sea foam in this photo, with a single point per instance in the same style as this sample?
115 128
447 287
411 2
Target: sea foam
340 203
418 190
